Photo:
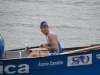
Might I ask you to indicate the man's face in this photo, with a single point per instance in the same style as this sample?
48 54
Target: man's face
45 30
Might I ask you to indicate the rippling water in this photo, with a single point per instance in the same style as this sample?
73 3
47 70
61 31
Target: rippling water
76 22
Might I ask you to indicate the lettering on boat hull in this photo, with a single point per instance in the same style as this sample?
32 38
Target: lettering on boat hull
98 56
78 60
51 63
12 69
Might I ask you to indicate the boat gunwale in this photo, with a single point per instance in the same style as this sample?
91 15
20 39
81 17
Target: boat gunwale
75 51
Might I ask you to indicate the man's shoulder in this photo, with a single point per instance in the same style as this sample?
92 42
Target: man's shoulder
52 33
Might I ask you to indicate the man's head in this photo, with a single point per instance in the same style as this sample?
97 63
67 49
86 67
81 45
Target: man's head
44 27
43 24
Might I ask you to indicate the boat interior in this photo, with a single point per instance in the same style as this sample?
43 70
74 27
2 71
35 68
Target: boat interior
17 54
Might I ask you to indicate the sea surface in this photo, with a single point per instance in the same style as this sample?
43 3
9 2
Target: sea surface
76 22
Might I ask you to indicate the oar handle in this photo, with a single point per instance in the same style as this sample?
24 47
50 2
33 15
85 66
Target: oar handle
32 47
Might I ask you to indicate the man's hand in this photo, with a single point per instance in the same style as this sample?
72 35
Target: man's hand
45 45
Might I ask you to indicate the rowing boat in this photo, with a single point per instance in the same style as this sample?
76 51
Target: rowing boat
73 61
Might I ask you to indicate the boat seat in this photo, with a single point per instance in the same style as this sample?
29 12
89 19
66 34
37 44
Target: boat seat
16 54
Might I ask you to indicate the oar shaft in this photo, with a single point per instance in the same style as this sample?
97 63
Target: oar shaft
24 48
82 50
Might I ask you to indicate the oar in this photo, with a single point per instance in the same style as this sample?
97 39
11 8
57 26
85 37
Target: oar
24 48
83 50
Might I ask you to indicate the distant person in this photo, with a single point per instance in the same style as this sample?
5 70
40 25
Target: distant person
53 44
1 46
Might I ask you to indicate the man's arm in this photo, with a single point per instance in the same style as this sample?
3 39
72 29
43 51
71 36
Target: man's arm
52 38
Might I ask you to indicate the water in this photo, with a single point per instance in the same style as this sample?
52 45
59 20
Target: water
76 22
